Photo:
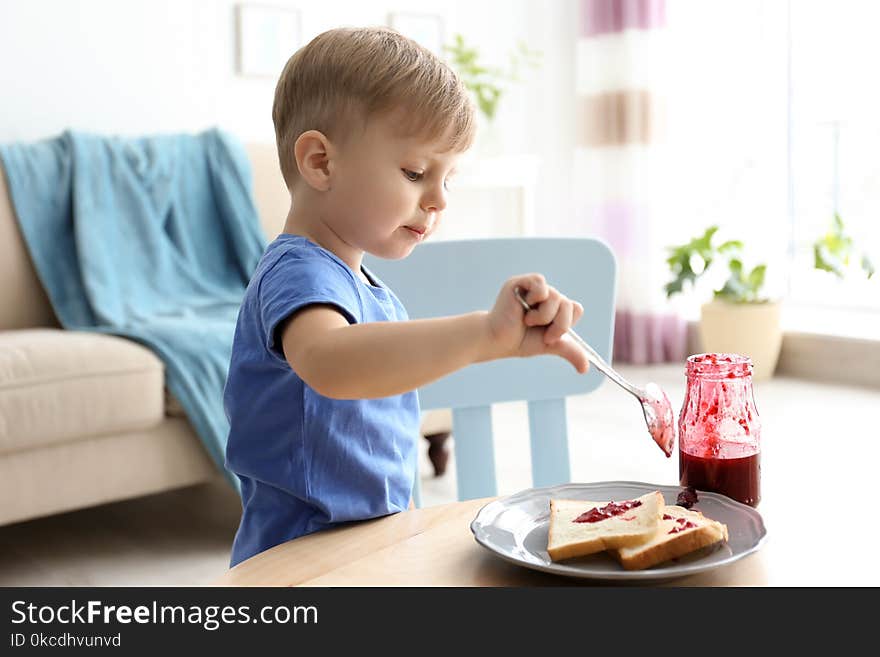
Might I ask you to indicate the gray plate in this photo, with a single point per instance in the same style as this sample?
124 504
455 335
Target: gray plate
515 528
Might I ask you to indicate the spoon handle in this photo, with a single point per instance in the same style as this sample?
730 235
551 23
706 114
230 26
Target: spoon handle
593 356
605 368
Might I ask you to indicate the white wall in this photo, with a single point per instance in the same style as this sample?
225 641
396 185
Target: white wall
133 67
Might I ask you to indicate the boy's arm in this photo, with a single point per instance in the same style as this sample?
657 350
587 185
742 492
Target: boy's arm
380 359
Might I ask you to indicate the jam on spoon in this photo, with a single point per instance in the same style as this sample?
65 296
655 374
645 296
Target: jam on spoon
655 404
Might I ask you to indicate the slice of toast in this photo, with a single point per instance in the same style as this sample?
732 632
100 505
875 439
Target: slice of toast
602 525
680 532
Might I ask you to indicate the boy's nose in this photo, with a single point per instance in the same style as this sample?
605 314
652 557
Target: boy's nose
435 201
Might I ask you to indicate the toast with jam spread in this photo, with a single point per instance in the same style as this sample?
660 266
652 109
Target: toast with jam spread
679 532
581 527
638 533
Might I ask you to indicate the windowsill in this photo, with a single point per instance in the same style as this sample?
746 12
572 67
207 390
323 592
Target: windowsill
825 344
845 323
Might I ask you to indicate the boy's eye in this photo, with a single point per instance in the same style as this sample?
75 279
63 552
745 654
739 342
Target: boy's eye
412 176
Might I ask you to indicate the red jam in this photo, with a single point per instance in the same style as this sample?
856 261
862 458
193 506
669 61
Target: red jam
680 525
719 428
608 511
687 497
738 478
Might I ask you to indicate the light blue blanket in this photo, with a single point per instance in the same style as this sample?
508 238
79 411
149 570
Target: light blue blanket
151 238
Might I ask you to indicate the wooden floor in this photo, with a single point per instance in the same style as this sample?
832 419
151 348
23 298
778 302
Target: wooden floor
183 537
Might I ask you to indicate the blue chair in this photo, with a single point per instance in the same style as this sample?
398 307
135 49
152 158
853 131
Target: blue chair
453 277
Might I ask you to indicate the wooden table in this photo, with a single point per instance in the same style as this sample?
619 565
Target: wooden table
433 546
819 464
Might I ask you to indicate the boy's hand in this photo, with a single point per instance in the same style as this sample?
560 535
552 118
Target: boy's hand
516 332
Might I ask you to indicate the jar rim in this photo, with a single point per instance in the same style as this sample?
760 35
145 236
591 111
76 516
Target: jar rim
716 364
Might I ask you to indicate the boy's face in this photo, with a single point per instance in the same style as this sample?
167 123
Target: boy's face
388 192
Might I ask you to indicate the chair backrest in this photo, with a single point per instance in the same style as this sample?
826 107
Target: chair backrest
453 277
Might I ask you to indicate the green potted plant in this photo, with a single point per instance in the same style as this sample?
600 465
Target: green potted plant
739 318
488 84
835 252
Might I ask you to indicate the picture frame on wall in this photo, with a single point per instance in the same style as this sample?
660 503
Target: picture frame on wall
426 29
266 37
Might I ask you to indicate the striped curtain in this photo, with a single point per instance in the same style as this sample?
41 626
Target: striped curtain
619 169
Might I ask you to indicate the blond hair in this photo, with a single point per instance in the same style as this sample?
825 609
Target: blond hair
347 75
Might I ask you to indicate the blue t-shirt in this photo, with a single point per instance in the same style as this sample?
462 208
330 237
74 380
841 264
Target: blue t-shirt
308 462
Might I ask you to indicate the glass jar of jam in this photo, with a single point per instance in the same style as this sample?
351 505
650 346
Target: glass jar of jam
719 432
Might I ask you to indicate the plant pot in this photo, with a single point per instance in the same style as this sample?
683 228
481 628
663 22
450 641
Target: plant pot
748 329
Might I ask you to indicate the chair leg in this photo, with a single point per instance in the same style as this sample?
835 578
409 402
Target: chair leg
437 452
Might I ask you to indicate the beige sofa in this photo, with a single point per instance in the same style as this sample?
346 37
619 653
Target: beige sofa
84 418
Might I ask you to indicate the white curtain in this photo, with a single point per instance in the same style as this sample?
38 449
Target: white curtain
621 171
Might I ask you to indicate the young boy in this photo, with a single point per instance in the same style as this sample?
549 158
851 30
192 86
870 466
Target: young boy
320 395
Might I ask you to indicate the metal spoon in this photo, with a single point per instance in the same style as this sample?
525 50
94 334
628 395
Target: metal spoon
654 402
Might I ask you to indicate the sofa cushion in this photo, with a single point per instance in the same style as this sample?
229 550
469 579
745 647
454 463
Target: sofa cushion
57 386
100 469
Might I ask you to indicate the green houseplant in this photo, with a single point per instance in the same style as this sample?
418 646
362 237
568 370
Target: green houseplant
489 84
835 252
486 83
739 318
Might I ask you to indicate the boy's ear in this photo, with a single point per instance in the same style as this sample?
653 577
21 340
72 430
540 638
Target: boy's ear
312 151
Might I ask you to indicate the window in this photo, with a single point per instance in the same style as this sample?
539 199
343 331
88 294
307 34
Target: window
835 144
772 120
